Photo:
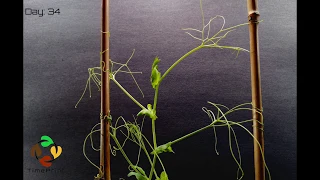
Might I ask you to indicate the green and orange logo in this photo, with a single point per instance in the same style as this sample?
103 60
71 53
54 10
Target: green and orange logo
46 143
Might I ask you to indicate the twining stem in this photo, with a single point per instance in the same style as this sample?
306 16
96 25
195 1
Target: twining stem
123 153
154 136
156 100
154 146
147 154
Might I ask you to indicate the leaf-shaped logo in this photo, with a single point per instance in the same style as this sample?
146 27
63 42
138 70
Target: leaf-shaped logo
56 151
45 161
35 151
46 141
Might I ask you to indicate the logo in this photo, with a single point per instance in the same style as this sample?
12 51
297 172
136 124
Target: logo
46 143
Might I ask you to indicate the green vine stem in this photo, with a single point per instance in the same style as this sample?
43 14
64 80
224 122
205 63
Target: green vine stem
126 92
194 132
179 60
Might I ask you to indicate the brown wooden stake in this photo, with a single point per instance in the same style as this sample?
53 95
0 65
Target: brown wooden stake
253 16
105 95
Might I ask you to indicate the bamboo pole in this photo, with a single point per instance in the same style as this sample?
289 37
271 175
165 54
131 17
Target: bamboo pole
253 17
105 95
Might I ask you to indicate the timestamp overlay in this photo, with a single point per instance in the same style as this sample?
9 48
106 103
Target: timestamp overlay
41 12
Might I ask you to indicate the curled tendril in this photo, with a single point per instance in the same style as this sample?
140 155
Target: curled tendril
95 75
113 151
213 119
84 153
221 117
212 41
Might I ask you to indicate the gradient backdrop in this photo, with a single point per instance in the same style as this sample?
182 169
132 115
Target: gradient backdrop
59 48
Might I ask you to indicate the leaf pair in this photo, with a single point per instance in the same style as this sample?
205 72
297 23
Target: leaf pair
148 112
141 175
163 148
155 74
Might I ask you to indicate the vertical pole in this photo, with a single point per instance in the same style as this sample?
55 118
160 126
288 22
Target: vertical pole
105 95
253 17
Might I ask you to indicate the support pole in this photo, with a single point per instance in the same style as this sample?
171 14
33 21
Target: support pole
105 95
253 17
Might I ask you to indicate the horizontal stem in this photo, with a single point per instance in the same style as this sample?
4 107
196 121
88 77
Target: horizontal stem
194 132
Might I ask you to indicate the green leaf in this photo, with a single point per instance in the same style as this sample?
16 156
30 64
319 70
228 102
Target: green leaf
164 176
155 74
148 112
134 130
141 175
163 148
137 175
140 170
46 141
